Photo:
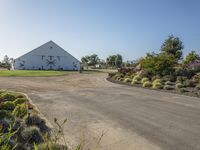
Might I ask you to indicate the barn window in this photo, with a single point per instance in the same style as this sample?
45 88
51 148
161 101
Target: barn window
51 47
51 57
42 57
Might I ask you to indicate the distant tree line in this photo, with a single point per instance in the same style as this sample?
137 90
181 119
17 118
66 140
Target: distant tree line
113 61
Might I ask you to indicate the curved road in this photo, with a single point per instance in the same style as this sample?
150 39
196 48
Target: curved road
129 118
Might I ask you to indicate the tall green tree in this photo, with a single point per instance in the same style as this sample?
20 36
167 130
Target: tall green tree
173 46
90 60
114 61
6 63
192 56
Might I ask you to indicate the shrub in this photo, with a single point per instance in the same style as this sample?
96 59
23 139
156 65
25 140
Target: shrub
135 82
197 87
6 114
7 96
171 78
196 77
147 84
179 85
169 83
111 74
157 81
121 79
127 80
189 83
157 85
35 120
8 105
20 101
182 90
137 78
144 80
20 110
155 77
133 75
181 78
32 135
168 87
118 75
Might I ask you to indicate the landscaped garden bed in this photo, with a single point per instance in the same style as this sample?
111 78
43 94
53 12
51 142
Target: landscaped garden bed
22 127
179 84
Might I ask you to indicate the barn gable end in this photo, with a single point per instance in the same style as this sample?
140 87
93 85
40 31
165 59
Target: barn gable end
48 56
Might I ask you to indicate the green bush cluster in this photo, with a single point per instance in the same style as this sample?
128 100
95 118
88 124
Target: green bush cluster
168 87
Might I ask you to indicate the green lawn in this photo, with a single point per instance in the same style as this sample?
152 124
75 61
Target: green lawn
33 73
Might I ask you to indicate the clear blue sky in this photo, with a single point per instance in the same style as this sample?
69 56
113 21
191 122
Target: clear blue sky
104 27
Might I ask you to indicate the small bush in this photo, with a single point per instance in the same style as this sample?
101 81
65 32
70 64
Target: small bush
155 77
171 78
189 83
7 96
169 83
168 87
121 79
135 82
157 81
20 101
32 135
111 74
197 87
20 111
137 78
147 84
144 80
126 80
182 90
35 120
6 114
8 105
157 85
133 75
179 85
181 78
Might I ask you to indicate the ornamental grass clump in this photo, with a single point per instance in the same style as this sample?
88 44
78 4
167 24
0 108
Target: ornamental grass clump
145 79
35 120
136 80
20 101
127 80
20 111
168 87
32 135
179 85
157 84
8 105
147 84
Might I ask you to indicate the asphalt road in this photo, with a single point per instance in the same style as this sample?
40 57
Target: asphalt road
129 118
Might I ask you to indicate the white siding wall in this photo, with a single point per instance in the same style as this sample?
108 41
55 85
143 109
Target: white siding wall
47 57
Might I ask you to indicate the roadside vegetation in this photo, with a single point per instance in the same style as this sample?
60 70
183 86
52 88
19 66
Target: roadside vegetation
167 70
22 127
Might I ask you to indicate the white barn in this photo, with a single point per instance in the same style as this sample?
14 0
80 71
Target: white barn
48 56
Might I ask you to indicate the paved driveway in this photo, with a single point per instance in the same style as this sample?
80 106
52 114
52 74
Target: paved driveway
130 118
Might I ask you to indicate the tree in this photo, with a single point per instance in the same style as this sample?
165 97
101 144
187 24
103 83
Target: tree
192 56
174 46
118 60
159 64
114 61
6 63
90 60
